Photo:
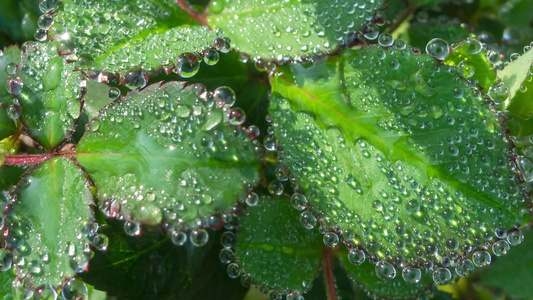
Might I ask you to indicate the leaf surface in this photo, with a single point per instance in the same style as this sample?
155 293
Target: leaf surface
276 30
275 249
7 125
516 72
166 154
118 36
10 56
398 151
49 223
49 92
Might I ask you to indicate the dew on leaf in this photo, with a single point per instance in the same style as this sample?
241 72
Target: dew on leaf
187 64
500 248
442 276
481 259
211 56
385 270
356 256
438 48
100 241
199 237
226 256
298 201
132 228
308 220
233 270
464 268
225 96
178 237
411 275
252 199
331 239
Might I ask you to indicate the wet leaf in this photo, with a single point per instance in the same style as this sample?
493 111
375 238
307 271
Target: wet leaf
516 72
397 150
277 30
166 154
117 36
49 223
49 93
289 255
7 126
420 33
10 57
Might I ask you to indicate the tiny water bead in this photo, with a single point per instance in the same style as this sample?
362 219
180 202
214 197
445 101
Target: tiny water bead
442 276
100 241
481 259
464 268
356 256
275 187
308 220
113 93
187 64
199 237
411 275
500 248
515 238
298 201
5 260
225 96
252 199
385 270
226 256
385 40
132 228
466 69
438 48
331 239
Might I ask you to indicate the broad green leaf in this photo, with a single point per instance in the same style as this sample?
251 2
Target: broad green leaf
7 125
6 283
521 104
152 267
97 97
277 30
364 275
116 36
9 58
49 93
515 72
513 273
419 34
397 150
49 223
472 63
275 250
165 153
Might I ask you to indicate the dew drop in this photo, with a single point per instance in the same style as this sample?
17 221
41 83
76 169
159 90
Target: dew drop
187 64
132 228
464 268
500 248
384 270
178 237
308 220
275 187
74 289
385 40
113 93
199 237
356 256
227 239
481 259
5 260
11 69
211 57
233 270
48 5
331 239
225 95
298 201
442 276
226 256
473 46
466 69
237 117
14 86
411 275
100 242
45 21
438 48
515 238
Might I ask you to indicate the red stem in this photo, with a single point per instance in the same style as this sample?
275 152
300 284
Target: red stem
329 275
26 159
200 17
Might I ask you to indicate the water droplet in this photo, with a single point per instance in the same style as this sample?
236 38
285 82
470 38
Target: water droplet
225 95
45 21
500 248
100 242
149 214
275 187
14 86
48 5
5 260
227 239
356 256
270 142
438 48
187 64
132 228
442 276
298 201
237 117
74 289
515 238
178 237
464 268
11 69
371 32
411 275
211 56
331 239
308 220
498 92
385 40
113 93
216 6
233 270
466 69
136 78
199 237
481 259
384 270
473 46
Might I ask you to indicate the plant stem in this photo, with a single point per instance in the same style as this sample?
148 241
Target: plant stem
26 159
199 17
329 275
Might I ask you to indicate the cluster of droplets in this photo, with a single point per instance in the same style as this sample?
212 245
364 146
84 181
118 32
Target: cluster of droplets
297 30
444 210
195 123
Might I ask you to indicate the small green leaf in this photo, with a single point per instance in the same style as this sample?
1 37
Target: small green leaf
395 148
521 104
117 37
513 273
165 153
49 223
515 73
472 63
49 92
9 59
364 276
289 255
277 30
7 125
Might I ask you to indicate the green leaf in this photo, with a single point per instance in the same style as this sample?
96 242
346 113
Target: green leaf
275 250
165 153
398 151
49 223
18 19
9 57
472 63
515 72
277 30
152 267
6 283
115 36
364 276
49 94
7 126
521 104
513 273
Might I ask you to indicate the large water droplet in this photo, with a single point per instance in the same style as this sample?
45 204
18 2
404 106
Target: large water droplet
411 275
384 270
199 237
438 48
187 64
442 276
